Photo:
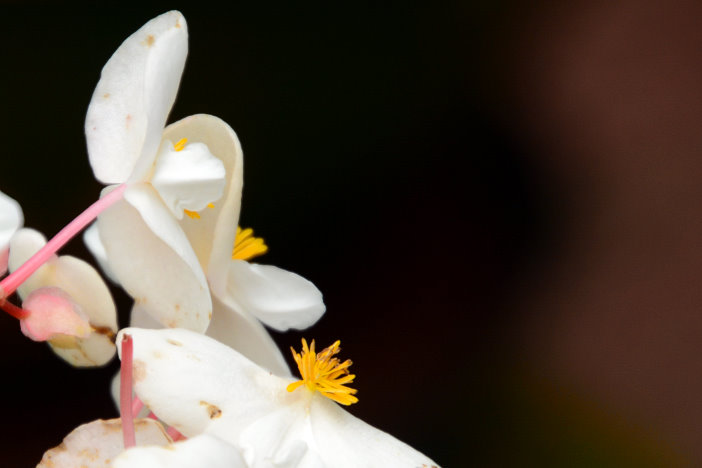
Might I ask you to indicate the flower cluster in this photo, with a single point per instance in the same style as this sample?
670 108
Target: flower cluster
196 357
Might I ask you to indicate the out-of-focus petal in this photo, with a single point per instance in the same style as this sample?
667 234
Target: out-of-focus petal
245 334
279 298
189 178
345 441
95 444
132 100
25 243
84 286
11 219
91 238
212 236
200 451
164 278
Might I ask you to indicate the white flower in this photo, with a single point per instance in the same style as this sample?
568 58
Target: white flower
199 385
185 168
168 262
11 220
69 304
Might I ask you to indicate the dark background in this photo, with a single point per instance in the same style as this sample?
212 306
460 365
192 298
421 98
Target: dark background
500 204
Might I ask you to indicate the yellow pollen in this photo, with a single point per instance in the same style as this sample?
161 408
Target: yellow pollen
246 246
181 144
324 373
195 214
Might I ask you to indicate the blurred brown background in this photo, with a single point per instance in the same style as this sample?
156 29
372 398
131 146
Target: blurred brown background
500 203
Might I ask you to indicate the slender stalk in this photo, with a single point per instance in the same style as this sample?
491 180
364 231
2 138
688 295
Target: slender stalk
17 312
10 284
125 392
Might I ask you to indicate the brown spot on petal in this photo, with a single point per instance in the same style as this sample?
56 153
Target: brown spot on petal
177 25
139 371
177 307
212 410
149 40
174 342
128 120
106 95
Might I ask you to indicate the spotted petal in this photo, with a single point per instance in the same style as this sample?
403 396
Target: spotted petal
132 100
96 444
279 298
200 451
153 260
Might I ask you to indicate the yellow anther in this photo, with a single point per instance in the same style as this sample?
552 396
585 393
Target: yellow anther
192 214
324 373
210 205
246 246
181 144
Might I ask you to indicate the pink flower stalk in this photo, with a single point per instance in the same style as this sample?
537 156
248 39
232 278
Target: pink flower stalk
10 284
125 392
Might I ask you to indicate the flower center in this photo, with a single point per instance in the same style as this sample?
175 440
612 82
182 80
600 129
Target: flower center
325 373
246 246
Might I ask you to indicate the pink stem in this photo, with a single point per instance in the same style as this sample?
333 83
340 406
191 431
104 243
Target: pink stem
16 312
125 392
19 276
137 405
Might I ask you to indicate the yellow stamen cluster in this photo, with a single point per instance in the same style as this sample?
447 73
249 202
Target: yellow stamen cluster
325 373
246 246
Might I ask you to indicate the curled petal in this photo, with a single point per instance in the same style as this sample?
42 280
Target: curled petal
279 298
132 100
201 451
212 236
163 277
188 179
96 444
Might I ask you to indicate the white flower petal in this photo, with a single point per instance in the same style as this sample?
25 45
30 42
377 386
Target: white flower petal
201 451
25 243
11 219
245 334
345 441
188 179
95 444
132 100
212 236
279 298
91 238
171 289
197 384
